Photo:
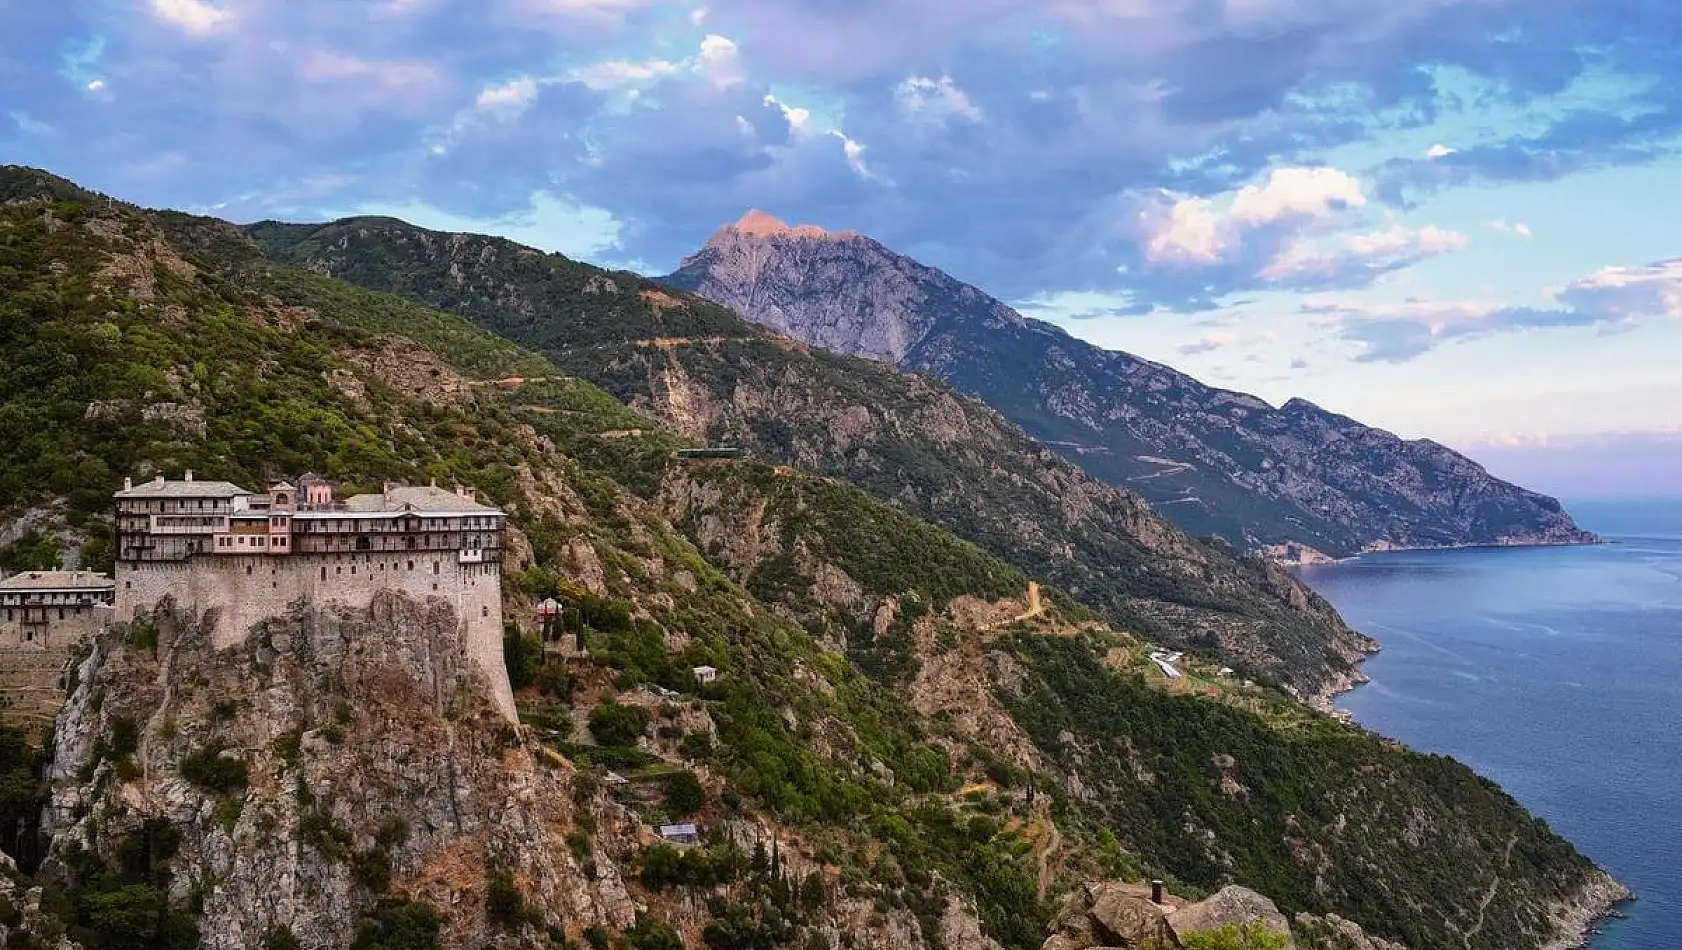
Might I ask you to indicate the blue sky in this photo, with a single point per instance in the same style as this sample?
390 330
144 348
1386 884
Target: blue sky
1450 218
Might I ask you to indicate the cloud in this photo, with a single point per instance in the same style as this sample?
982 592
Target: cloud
1297 228
1208 343
507 99
197 17
935 100
1610 299
1176 229
1291 193
1517 228
1021 137
1359 258
1627 294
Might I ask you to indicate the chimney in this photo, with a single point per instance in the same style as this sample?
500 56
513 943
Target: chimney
128 483
1156 892
189 474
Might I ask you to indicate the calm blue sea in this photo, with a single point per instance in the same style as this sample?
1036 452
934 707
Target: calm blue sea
1557 672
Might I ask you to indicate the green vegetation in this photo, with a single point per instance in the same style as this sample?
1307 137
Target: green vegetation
1194 780
684 796
213 771
399 924
1236 937
126 906
615 725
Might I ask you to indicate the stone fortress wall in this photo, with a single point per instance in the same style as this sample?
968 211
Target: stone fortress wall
236 592
238 557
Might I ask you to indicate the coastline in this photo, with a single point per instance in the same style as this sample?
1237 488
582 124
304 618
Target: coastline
1577 920
1304 556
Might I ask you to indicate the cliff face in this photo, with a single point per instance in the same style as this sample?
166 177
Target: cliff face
376 764
1213 461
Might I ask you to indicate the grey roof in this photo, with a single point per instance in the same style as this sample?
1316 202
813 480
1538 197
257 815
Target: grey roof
166 488
421 497
57 580
686 828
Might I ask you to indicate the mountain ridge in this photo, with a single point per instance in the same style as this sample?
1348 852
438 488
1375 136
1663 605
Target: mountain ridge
1215 461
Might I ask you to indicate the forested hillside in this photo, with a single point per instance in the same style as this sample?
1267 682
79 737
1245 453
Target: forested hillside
899 751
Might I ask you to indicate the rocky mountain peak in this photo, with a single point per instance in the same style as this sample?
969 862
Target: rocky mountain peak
763 224
1215 462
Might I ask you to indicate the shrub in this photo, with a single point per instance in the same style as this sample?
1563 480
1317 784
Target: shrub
684 795
372 869
1251 936
651 934
504 904
209 769
522 654
398 924
613 724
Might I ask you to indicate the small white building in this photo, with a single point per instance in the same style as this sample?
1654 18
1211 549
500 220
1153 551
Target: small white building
682 833
704 674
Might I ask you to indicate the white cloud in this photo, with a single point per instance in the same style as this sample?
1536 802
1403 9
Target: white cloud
507 100
1184 229
698 15
1373 251
618 73
1427 241
854 151
1190 232
1297 192
1439 151
799 120
1510 227
197 17
1624 294
935 100
744 126
96 85
719 60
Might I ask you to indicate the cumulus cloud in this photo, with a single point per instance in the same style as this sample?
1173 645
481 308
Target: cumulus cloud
1039 123
1189 230
198 17
1297 228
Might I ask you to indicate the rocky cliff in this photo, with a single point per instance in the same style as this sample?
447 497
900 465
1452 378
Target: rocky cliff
1215 462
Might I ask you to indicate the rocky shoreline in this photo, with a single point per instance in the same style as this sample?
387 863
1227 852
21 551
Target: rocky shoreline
1578 919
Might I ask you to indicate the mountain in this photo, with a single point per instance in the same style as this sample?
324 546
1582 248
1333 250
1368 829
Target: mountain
1216 462
907 744
912 441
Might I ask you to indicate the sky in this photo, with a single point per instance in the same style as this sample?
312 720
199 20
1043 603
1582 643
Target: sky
1453 219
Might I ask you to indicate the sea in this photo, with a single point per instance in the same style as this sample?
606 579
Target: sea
1557 672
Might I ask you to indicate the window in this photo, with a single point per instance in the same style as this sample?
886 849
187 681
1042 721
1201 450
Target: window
411 565
434 567
247 570
484 610
323 572
60 615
